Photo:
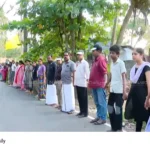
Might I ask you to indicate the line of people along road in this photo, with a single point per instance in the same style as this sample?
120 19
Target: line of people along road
54 82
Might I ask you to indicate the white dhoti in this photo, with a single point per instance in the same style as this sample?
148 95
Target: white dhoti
68 98
51 95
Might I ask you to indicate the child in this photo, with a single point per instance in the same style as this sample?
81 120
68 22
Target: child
117 89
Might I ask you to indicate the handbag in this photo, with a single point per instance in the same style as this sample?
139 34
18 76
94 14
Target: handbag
147 129
129 109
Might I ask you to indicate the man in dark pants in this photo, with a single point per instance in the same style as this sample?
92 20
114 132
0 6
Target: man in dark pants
117 89
81 81
58 82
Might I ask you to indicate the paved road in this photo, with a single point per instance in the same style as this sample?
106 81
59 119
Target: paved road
22 112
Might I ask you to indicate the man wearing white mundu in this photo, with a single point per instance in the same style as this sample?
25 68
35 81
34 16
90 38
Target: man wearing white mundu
67 77
51 94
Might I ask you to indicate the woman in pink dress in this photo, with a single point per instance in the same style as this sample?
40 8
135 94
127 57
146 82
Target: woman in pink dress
20 75
18 66
4 73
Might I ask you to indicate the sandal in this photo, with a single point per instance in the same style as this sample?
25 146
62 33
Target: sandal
70 112
99 122
94 120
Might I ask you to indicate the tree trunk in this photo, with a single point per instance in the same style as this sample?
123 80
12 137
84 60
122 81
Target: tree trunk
25 35
114 31
124 25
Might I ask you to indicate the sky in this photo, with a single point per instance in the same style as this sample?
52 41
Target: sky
13 16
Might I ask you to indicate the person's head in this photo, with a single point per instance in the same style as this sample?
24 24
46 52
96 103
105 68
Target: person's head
96 50
40 61
138 54
49 58
21 62
17 63
80 55
13 61
27 62
34 64
59 61
66 56
115 52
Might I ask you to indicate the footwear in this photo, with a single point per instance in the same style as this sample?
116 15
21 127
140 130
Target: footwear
94 120
100 122
70 112
79 114
42 99
82 116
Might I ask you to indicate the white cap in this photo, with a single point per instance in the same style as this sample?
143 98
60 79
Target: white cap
80 53
93 49
58 59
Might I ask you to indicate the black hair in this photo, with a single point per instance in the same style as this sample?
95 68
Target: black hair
41 59
21 62
27 60
116 49
140 51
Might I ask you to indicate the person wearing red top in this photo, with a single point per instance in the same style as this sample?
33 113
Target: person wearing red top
97 82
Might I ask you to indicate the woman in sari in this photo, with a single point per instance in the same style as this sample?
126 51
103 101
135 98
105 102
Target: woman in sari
41 73
28 76
4 73
1 72
18 80
139 94
17 67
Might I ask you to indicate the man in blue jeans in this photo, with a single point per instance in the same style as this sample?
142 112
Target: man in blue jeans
97 82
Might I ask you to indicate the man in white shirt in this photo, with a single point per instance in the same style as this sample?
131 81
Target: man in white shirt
117 89
12 73
81 82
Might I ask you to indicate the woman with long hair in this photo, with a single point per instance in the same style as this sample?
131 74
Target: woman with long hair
41 73
140 89
18 81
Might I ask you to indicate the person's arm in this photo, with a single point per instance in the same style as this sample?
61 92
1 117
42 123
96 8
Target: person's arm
108 81
73 69
44 74
147 102
55 71
103 70
124 81
87 71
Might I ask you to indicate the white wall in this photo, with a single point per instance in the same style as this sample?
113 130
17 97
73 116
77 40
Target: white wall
126 54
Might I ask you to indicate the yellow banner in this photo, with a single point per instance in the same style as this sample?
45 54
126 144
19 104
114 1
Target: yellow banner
12 43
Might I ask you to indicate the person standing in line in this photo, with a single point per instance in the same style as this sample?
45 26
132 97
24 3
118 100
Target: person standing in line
9 74
28 76
97 82
18 80
17 67
81 82
51 95
35 78
12 72
67 77
41 80
58 82
117 89
139 93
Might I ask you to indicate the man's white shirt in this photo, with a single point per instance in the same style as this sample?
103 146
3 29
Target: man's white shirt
82 73
13 67
117 69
